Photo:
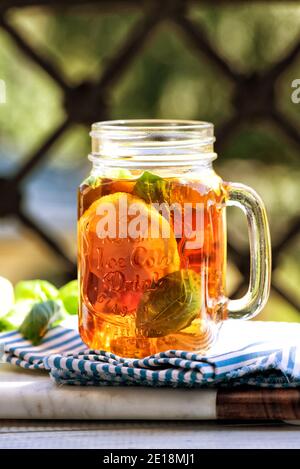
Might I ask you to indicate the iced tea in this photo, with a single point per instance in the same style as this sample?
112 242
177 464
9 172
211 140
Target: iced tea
151 262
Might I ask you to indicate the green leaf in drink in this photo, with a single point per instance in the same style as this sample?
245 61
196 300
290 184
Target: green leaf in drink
92 181
119 173
171 306
151 188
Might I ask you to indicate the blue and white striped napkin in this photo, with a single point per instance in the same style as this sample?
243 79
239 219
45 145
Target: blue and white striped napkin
263 354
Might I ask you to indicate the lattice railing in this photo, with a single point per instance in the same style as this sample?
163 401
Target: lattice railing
253 97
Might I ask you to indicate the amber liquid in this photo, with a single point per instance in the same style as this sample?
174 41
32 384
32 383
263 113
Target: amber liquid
115 273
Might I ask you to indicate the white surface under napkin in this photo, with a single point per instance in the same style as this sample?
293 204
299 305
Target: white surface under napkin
26 394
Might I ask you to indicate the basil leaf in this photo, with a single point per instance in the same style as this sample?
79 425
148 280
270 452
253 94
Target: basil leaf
92 181
18 313
41 316
112 173
38 290
171 306
118 173
151 188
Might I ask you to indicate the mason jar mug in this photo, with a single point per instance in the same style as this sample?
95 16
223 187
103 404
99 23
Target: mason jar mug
152 240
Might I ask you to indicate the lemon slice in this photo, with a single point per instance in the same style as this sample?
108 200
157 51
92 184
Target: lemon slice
127 244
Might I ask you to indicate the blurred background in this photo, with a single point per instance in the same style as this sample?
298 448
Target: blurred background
69 63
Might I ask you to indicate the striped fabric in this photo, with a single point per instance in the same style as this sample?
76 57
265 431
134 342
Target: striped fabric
274 362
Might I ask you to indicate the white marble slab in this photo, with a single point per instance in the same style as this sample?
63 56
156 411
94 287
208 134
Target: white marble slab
26 394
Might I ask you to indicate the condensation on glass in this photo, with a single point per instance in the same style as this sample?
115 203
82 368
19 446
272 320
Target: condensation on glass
152 240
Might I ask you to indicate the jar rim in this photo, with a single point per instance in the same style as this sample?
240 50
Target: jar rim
132 125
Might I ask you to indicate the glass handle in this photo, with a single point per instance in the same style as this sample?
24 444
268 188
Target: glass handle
260 251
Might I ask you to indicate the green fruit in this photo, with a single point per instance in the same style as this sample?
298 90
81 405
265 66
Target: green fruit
38 290
69 296
6 296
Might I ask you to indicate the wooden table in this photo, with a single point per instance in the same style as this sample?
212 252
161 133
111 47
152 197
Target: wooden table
151 435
